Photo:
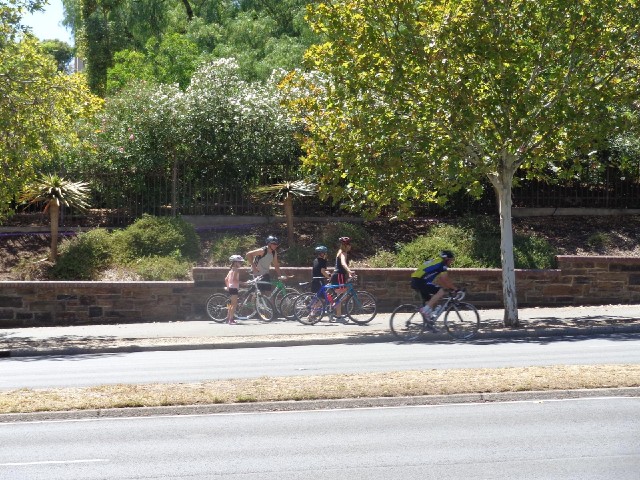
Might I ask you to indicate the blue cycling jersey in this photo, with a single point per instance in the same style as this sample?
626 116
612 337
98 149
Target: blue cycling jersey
429 270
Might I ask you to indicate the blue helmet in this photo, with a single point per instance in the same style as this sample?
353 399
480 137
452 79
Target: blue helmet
321 249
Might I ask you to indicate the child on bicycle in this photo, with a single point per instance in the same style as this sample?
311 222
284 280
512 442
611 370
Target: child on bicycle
431 279
232 283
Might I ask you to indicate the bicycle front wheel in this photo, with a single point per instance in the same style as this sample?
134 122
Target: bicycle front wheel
308 308
246 305
406 322
285 307
462 321
264 308
279 296
361 307
217 307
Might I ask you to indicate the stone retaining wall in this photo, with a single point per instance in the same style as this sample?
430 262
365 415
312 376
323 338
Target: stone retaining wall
577 281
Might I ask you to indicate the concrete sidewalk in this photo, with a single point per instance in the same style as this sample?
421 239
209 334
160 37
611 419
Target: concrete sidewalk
98 339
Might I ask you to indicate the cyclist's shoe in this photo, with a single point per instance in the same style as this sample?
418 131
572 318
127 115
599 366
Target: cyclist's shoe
232 322
426 313
341 319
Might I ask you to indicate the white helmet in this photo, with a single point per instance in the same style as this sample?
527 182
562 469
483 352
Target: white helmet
236 258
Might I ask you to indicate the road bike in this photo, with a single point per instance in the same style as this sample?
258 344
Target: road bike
357 305
251 303
461 319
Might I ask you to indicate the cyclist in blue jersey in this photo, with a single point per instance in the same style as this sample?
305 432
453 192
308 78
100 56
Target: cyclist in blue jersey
431 280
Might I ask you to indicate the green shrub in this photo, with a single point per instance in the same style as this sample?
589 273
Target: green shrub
151 236
599 240
382 259
83 257
230 244
161 268
298 256
476 244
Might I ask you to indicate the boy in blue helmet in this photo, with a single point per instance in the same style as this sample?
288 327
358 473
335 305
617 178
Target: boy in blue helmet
431 280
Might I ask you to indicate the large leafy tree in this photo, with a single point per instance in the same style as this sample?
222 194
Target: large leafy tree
412 101
41 110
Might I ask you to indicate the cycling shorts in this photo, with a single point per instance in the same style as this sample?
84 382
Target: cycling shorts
427 290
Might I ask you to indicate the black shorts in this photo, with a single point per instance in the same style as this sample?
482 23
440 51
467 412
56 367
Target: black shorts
232 291
427 290
339 278
264 285
316 285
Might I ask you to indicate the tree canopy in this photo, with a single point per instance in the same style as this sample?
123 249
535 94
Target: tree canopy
40 108
412 101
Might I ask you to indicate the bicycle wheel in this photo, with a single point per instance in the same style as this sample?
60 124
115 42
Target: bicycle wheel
279 295
217 307
285 307
246 305
406 322
462 321
264 308
308 309
361 307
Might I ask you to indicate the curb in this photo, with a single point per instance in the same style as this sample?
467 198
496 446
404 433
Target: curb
307 405
382 338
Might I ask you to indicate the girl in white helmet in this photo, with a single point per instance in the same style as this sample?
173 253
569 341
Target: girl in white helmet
232 283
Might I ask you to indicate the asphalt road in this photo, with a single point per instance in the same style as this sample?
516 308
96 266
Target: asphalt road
199 365
560 439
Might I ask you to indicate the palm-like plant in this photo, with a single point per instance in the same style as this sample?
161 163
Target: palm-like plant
54 191
286 192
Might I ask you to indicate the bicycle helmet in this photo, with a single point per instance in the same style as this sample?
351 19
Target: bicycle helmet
236 258
272 239
447 254
321 249
345 240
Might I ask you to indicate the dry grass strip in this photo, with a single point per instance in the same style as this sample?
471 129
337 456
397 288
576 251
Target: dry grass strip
265 389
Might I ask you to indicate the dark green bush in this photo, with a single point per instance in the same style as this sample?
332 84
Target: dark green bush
227 244
151 236
360 238
84 256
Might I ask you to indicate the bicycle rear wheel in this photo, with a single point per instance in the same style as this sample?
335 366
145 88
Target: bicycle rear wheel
462 321
285 307
406 322
264 308
308 309
361 307
217 307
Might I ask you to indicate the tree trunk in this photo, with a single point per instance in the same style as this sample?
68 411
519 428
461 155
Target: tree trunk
288 213
54 213
502 184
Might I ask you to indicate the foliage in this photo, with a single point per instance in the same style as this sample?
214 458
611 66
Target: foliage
42 112
61 51
53 188
360 238
157 236
161 268
297 256
414 101
226 245
55 192
84 256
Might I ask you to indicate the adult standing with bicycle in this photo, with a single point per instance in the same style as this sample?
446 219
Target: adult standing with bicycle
341 272
261 260
431 279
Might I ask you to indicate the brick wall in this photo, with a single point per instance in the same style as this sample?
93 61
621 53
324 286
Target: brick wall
577 281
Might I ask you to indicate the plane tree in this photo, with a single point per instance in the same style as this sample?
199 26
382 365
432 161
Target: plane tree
409 101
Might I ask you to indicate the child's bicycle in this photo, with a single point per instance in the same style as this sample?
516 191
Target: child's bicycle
461 319
285 304
357 306
251 302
